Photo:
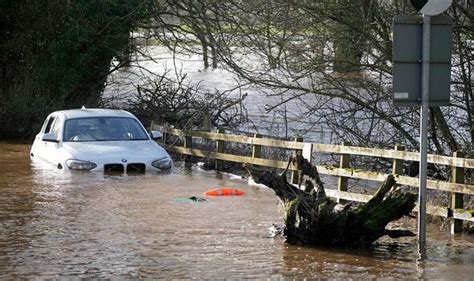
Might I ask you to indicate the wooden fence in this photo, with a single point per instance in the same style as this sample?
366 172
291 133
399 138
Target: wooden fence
456 187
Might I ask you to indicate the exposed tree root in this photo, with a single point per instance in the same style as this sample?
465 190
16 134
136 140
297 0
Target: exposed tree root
312 218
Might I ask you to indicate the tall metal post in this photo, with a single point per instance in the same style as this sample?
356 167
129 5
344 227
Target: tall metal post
424 135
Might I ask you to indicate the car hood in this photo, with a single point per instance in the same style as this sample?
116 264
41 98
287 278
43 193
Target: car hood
90 151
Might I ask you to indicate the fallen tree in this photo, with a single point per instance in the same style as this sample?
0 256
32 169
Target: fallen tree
312 218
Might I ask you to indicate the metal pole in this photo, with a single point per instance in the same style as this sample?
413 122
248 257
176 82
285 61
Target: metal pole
424 136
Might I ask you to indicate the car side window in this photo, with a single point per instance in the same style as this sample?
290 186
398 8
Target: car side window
49 125
56 127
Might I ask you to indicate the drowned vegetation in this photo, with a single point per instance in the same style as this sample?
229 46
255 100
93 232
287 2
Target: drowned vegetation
312 218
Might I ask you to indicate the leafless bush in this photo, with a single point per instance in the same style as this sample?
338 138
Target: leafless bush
179 104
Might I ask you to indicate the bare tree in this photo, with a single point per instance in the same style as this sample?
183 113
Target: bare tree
328 61
322 80
187 24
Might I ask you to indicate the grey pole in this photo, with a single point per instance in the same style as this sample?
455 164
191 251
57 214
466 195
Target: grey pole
423 136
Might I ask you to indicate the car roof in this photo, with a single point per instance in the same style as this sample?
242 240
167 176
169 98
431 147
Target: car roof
93 112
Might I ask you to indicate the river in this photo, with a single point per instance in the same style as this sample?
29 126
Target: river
57 224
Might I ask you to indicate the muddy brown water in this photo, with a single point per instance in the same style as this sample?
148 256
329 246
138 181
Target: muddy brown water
55 224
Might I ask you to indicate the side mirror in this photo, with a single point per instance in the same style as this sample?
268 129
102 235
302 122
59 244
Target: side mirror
50 137
156 135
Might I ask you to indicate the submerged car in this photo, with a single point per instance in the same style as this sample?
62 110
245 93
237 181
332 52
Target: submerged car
99 140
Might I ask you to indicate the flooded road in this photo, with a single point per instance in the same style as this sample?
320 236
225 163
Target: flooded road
55 224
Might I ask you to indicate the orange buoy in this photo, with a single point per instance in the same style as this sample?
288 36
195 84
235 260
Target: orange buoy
224 191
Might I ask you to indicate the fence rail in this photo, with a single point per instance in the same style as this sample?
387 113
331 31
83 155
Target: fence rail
457 187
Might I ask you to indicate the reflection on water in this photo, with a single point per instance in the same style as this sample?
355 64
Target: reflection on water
56 223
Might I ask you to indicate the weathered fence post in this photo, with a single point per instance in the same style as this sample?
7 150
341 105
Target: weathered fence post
153 127
164 134
256 148
457 198
295 175
188 142
397 167
220 147
343 163
308 151
307 154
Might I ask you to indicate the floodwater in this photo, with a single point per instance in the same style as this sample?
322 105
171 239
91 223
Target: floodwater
121 84
57 224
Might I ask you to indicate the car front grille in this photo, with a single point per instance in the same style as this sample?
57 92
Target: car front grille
136 168
132 168
118 168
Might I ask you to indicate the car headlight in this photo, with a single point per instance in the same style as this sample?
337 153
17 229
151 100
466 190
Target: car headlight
74 164
163 163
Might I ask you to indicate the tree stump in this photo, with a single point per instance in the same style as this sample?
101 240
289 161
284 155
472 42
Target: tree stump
312 218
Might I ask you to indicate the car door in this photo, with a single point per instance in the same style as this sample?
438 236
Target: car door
48 150
39 147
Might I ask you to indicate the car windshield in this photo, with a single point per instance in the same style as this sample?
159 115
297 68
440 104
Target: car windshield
103 129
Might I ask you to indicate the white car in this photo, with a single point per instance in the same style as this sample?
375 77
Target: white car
99 140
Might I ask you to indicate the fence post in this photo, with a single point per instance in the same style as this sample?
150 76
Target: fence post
308 151
343 163
256 148
164 135
152 125
188 142
220 149
398 163
457 198
162 130
295 175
